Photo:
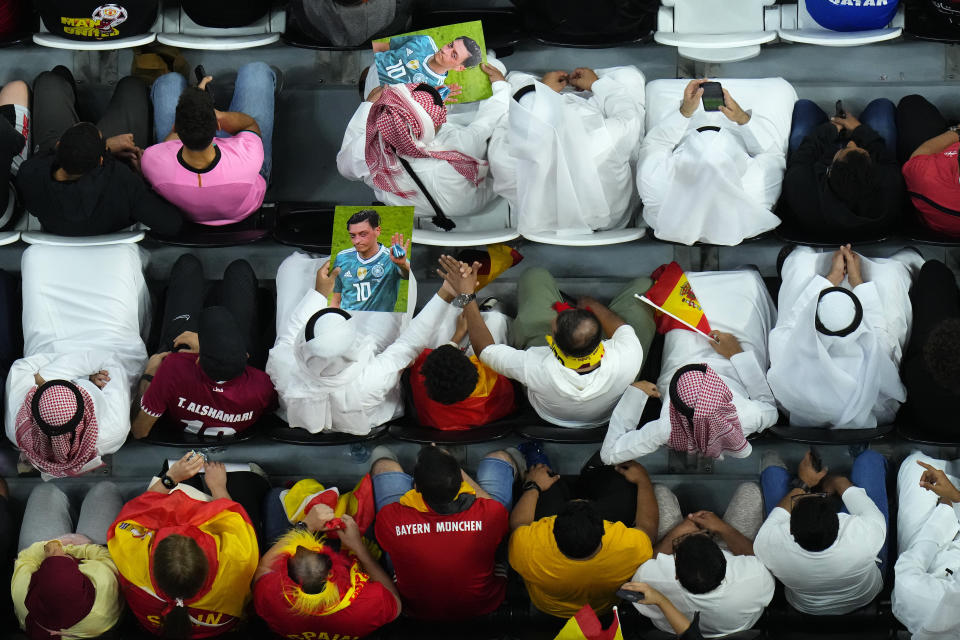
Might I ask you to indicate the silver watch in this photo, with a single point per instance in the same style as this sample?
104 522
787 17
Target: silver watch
463 300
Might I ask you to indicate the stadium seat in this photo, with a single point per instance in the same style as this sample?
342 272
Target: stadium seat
164 436
8 237
788 233
916 231
924 22
716 30
536 429
179 30
253 229
31 232
824 435
749 634
609 23
595 239
306 225
282 432
45 38
411 432
796 25
501 25
911 433
490 226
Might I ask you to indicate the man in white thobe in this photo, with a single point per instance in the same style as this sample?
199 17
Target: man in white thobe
741 313
339 371
83 323
926 593
564 156
448 158
835 352
712 176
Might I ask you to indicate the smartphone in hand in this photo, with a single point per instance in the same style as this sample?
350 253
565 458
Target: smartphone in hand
629 596
839 112
712 96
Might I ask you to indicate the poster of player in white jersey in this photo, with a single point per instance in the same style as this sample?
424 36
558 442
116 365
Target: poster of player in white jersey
371 247
447 58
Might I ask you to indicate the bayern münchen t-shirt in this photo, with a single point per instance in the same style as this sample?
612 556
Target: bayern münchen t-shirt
444 564
182 392
227 191
374 607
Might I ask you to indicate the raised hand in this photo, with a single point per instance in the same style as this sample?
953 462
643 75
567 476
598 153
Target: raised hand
691 97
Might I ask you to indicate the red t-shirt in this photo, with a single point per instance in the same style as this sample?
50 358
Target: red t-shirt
491 400
182 392
937 177
444 563
373 608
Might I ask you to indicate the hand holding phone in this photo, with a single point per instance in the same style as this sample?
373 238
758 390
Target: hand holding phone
712 96
838 108
629 596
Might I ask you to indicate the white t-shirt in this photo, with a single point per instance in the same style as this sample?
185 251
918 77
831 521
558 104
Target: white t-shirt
735 605
837 580
561 395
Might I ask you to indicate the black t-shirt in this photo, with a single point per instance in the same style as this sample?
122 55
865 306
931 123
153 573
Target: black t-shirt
105 200
93 20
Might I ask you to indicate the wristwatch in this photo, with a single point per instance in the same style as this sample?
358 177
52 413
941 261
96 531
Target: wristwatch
530 484
168 482
463 300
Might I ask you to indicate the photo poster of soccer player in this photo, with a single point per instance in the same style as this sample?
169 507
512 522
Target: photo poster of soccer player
447 58
371 246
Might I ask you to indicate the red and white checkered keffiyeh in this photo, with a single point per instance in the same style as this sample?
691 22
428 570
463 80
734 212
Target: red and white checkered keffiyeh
716 425
59 455
403 121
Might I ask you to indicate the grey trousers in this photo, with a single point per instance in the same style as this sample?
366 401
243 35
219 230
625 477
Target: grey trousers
744 513
49 515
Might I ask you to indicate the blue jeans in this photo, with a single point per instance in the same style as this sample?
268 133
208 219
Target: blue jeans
494 476
869 473
253 95
879 115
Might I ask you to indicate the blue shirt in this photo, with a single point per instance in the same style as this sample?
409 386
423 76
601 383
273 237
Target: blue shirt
368 284
852 15
406 62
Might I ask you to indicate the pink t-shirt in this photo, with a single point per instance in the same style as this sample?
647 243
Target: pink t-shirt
228 191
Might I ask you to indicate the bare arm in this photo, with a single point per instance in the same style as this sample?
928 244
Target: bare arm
648 514
737 543
787 502
666 545
525 510
652 597
464 281
936 144
609 321
234 122
142 424
183 469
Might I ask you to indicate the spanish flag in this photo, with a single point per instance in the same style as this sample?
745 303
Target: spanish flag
672 291
305 494
586 626
495 260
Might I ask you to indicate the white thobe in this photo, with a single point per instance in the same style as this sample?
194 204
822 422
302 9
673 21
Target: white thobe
926 593
452 192
304 403
565 161
721 205
84 309
851 381
736 302
562 396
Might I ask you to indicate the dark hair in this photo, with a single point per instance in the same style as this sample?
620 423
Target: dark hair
700 563
196 119
814 523
941 353
425 88
851 178
367 215
578 529
309 569
80 149
449 375
578 332
437 476
476 55
180 569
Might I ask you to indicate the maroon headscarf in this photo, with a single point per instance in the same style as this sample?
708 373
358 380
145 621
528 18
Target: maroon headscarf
59 596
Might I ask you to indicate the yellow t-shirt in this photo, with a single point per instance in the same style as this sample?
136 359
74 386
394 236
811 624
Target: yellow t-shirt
560 586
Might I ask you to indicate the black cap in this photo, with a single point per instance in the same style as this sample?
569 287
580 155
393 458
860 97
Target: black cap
223 350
